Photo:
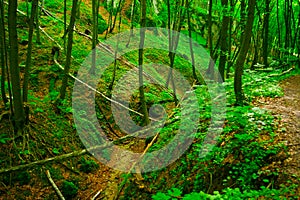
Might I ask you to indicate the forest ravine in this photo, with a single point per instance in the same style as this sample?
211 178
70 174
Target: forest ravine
249 47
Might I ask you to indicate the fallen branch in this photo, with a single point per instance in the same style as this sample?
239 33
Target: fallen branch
96 195
75 153
95 90
271 75
54 186
285 72
39 162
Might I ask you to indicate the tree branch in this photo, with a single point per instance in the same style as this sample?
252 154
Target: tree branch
54 186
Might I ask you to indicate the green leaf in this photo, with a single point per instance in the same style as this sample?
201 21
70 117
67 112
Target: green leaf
55 151
175 192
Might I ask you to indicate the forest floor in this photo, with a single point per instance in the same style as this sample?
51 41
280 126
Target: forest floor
287 108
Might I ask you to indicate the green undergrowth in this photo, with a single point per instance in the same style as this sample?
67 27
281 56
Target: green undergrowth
238 166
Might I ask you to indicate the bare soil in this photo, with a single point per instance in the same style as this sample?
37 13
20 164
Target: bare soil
287 109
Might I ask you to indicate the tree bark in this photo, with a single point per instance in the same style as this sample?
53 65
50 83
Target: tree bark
131 21
95 8
19 117
3 53
278 27
224 40
239 66
28 57
37 21
190 40
115 18
69 51
210 69
266 33
141 53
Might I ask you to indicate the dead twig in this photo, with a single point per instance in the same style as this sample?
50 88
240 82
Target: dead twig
54 186
96 195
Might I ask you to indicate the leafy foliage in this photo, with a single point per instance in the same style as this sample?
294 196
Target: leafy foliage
88 166
69 189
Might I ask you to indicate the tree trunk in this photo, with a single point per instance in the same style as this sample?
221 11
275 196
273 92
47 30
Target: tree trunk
173 41
28 57
116 54
229 57
224 39
115 18
69 51
287 17
266 33
37 21
141 53
131 21
298 38
278 27
2 54
190 41
210 69
19 117
95 8
239 66
110 10
65 25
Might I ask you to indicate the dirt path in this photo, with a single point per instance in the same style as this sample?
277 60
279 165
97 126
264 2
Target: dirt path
288 109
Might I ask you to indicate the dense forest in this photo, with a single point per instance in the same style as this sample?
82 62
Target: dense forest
142 99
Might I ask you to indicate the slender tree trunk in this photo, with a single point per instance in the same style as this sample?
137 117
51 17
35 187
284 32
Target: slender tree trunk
111 11
266 33
6 70
293 26
141 53
2 53
78 10
190 40
287 23
19 116
69 51
95 8
210 69
116 53
239 66
173 43
28 58
278 28
65 25
298 38
115 18
229 63
255 59
209 27
131 21
243 19
37 21
224 38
